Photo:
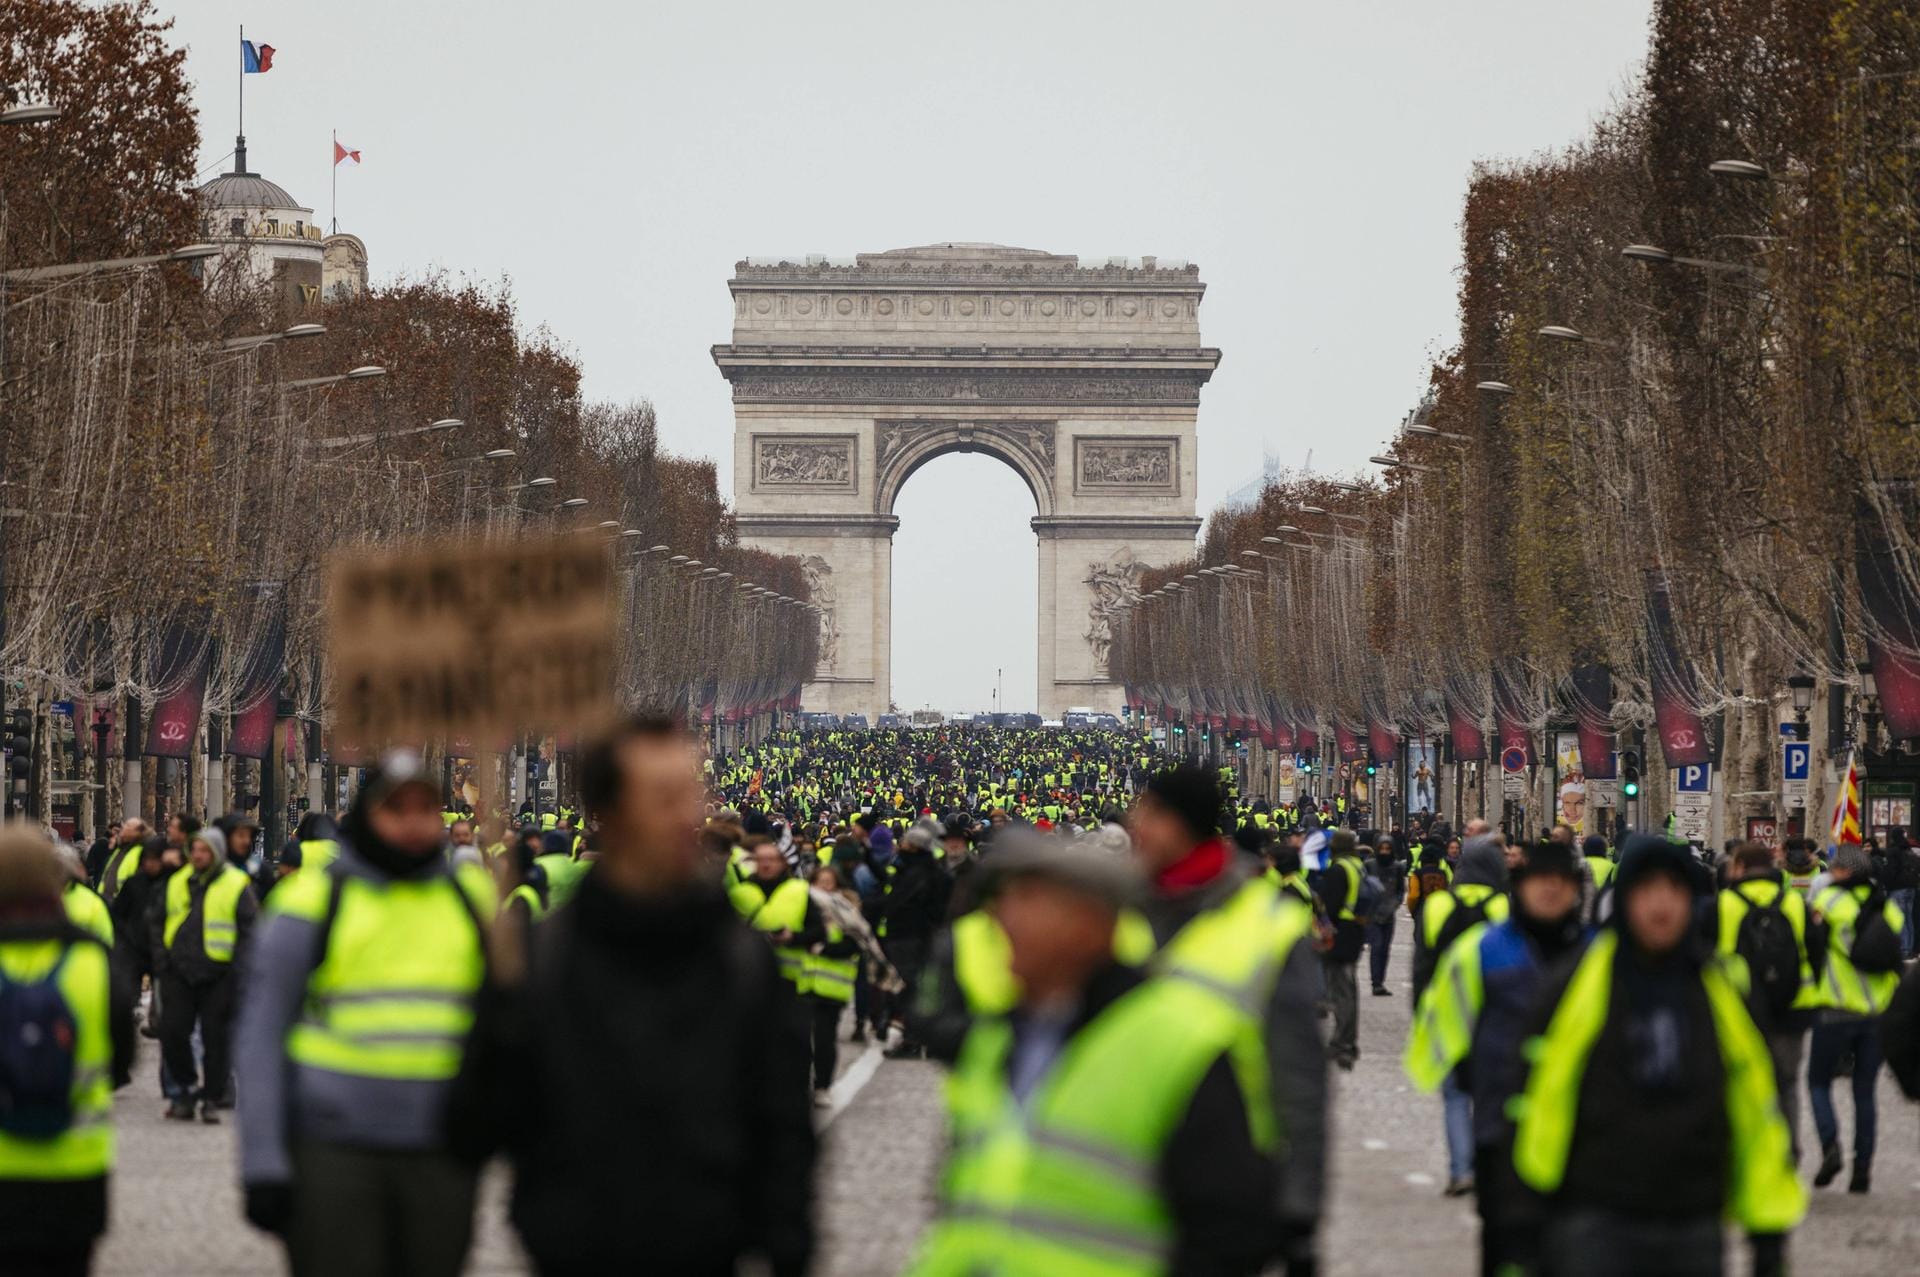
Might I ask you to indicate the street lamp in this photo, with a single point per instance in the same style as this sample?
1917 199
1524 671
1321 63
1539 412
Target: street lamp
30 113
1434 432
1493 388
1800 687
498 454
69 270
432 427
1395 463
294 333
1661 257
364 372
1745 170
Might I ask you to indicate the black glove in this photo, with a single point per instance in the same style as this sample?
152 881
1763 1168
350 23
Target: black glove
1769 1254
270 1207
1296 1247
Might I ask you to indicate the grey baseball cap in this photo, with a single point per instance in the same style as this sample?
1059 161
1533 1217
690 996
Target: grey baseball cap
1081 865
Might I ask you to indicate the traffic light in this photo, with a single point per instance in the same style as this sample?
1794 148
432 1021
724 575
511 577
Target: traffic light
1306 767
1629 775
1371 769
20 741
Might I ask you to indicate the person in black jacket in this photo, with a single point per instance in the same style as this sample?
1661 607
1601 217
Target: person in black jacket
912 906
638 1068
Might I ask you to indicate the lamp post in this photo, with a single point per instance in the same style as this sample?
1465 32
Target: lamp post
1800 687
29 112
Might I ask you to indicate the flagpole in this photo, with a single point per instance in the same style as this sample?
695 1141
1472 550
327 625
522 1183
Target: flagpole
334 155
243 79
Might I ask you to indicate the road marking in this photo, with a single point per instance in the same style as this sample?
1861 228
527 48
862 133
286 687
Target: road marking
858 1074
1419 1179
1373 1146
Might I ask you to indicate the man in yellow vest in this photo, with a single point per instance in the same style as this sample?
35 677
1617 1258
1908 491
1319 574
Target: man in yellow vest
74 1029
1648 1120
359 998
1216 920
1101 1127
1781 989
778 905
207 910
1863 970
125 860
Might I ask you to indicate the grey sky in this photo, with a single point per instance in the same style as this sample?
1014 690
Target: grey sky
616 159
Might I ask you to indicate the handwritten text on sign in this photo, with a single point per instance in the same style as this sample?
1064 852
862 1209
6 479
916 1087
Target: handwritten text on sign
457 639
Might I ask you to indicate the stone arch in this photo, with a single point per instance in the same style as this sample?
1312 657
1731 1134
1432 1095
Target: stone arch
902 447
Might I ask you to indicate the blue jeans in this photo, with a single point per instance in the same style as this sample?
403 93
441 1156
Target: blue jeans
1831 1041
1457 1106
1904 898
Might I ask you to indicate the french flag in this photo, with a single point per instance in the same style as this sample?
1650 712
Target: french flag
255 58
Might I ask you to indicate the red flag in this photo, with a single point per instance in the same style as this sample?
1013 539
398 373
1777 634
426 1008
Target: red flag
342 153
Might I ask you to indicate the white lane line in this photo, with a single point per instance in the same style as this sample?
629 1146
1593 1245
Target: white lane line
1419 1179
1373 1146
843 1091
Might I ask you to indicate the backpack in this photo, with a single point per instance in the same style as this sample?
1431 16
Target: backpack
1432 880
38 1037
1367 902
1876 946
1765 941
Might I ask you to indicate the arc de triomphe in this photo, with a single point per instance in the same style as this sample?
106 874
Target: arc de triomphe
1084 379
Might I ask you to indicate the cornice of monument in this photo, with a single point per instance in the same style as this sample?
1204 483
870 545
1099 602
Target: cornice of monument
731 357
967 265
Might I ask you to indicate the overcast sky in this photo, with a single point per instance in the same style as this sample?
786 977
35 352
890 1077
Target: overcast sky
615 159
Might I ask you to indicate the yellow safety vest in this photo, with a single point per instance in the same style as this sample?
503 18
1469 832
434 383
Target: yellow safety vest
1845 987
1067 1185
392 996
318 853
782 909
832 978
219 909
1760 893
84 1150
1763 1194
87 911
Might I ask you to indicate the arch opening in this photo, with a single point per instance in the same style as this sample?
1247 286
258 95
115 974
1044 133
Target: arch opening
965 623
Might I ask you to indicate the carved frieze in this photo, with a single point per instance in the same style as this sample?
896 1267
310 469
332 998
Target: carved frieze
812 463
854 385
1114 584
1146 466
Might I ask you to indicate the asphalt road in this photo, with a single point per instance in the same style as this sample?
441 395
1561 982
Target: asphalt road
176 1209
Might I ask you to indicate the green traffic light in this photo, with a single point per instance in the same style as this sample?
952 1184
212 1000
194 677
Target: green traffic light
1631 789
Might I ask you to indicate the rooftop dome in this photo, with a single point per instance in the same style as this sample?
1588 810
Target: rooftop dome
246 190
241 189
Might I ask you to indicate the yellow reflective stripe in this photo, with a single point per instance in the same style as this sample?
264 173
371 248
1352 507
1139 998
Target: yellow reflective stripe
1141 1245
1137 1172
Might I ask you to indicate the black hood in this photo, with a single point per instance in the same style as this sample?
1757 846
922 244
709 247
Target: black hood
357 831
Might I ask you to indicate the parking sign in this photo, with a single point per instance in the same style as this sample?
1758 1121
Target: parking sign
1796 764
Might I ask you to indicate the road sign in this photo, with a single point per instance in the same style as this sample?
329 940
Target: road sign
452 638
1693 801
1796 764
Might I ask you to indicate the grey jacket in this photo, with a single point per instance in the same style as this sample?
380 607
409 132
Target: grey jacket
281 1101
1296 1057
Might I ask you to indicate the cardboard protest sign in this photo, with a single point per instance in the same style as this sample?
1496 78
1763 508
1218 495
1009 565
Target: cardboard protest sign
449 640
